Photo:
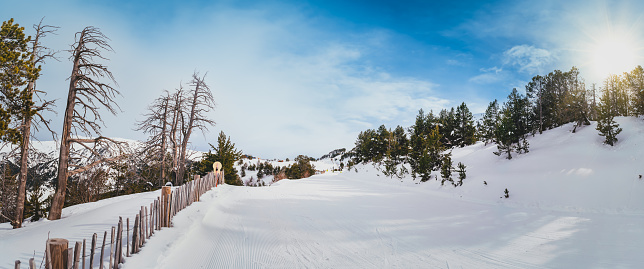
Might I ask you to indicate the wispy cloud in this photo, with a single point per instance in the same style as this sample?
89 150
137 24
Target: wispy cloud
489 75
528 58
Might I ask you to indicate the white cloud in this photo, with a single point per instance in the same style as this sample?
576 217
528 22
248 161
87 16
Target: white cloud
490 75
528 58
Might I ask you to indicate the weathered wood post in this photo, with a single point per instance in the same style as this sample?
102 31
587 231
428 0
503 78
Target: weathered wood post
196 188
77 249
118 254
165 201
17 264
91 251
135 234
112 248
83 264
58 253
100 265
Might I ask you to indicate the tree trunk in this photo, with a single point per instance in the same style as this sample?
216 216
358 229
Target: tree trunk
163 140
187 132
24 157
58 201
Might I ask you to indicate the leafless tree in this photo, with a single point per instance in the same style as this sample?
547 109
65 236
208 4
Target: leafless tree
199 101
171 120
157 126
175 137
86 95
30 112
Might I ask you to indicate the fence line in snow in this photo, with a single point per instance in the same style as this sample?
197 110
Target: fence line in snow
159 214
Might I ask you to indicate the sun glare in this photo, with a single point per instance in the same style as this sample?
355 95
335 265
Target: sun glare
614 56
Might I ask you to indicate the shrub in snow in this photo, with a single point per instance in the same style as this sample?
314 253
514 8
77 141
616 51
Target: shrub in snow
606 124
507 193
279 176
461 173
446 170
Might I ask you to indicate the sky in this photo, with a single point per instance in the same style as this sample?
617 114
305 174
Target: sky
305 77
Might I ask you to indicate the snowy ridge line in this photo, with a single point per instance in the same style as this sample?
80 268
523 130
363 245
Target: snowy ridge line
148 220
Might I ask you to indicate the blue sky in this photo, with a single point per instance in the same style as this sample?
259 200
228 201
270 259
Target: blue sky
305 77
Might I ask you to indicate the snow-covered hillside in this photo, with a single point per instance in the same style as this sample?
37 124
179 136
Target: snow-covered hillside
574 203
324 165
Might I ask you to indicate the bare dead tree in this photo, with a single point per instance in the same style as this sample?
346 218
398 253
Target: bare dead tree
199 102
86 94
157 126
175 137
31 112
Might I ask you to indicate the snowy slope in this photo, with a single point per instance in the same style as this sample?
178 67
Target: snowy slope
574 203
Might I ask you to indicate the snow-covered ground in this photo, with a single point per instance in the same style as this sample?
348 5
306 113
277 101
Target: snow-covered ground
574 203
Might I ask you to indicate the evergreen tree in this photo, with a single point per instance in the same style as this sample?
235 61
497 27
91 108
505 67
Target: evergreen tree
446 170
464 130
635 80
447 124
16 71
461 173
260 173
417 142
425 146
225 153
505 133
575 101
535 90
489 124
366 146
606 124
397 149
302 168
513 125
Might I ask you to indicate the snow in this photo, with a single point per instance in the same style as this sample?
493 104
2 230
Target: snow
574 203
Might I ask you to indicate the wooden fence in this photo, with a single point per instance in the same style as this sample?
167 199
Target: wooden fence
159 214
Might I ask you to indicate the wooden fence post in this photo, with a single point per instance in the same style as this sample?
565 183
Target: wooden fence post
58 253
166 193
118 254
91 251
77 249
32 263
83 264
196 189
134 235
111 248
100 265
17 264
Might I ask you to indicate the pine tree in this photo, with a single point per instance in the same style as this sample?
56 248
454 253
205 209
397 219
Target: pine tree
461 173
489 124
505 134
536 90
225 153
513 125
447 123
464 130
606 124
16 71
19 70
417 142
635 81
446 170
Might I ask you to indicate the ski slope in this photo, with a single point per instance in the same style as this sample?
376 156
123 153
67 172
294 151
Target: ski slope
340 221
574 203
